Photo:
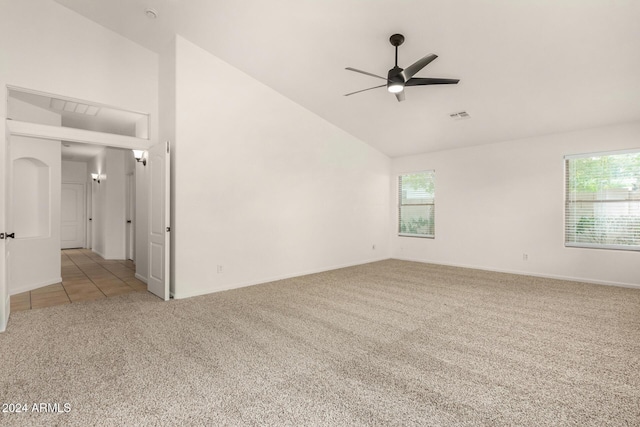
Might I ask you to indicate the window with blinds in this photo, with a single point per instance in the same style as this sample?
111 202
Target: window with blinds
416 204
602 198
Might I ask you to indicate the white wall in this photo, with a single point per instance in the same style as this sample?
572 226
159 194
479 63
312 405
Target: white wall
263 187
49 48
496 202
115 209
20 110
98 204
75 172
141 222
109 206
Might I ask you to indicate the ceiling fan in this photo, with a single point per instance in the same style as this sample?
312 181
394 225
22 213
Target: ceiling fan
398 78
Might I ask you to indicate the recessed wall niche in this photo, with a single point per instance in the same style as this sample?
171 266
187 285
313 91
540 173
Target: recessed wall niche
30 188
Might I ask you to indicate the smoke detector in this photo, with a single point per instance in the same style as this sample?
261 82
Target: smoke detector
151 13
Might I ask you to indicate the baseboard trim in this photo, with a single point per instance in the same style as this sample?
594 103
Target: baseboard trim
178 295
527 273
27 288
141 278
5 318
98 253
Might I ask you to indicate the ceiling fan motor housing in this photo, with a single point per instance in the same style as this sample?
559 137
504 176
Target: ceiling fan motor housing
394 78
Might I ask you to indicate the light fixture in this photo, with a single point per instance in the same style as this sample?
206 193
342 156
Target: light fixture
395 87
96 177
138 156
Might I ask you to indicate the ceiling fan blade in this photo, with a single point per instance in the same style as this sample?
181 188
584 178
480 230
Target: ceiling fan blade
363 90
412 69
364 72
430 81
400 96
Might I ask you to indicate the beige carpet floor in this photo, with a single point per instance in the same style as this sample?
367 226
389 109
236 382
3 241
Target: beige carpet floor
390 343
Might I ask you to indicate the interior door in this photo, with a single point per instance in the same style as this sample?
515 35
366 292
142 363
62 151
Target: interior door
5 223
72 207
130 237
34 206
158 162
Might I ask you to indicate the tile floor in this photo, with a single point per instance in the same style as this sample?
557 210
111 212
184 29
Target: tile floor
85 276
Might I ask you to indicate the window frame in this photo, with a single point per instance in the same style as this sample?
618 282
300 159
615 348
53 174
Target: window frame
567 202
432 172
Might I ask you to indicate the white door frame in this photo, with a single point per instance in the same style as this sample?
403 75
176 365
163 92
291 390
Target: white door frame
4 224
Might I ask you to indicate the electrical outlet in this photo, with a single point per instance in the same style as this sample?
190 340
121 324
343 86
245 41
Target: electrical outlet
525 257
219 269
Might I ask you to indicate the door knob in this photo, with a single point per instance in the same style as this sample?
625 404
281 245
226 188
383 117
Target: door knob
11 236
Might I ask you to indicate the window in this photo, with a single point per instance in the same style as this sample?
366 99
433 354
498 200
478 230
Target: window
416 207
603 200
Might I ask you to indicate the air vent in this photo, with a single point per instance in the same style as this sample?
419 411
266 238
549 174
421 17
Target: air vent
73 107
460 115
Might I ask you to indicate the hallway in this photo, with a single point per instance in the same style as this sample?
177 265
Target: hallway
85 276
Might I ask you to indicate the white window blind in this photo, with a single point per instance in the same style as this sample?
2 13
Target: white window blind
416 204
603 200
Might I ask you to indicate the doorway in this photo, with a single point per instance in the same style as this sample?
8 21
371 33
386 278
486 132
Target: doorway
72 215
86 276
96 132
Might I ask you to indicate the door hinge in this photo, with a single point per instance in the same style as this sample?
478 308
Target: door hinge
167 147
168 229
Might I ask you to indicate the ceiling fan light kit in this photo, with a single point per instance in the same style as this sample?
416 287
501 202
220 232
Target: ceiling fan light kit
398 78
395 87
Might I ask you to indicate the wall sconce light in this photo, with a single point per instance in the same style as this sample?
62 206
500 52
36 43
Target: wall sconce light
96 177
138 156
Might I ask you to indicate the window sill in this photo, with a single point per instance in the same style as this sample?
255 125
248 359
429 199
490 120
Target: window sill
606 247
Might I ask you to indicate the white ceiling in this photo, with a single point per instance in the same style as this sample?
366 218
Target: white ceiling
80 152
526 67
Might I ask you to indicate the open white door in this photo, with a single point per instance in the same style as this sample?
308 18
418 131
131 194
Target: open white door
34 206
5 252
158 162
131 232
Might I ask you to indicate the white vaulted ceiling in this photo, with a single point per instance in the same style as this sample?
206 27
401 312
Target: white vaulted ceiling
526 67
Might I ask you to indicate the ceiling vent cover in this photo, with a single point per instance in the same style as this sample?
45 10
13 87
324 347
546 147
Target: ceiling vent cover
461 115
